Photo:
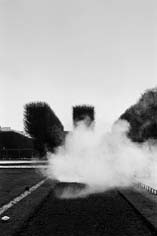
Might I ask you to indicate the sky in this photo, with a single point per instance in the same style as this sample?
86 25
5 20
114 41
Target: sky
66 53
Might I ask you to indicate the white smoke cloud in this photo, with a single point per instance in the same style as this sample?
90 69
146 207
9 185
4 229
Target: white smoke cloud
102 160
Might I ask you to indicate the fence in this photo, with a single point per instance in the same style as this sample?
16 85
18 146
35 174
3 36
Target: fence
147 188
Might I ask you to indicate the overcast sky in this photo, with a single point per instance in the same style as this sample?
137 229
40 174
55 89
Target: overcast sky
70 52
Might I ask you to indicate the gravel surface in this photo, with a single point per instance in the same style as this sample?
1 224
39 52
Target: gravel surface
100 214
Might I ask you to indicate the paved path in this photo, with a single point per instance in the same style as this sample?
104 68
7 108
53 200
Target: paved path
102 214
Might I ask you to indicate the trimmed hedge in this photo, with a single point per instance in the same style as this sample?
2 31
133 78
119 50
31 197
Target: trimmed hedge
83 113
43 126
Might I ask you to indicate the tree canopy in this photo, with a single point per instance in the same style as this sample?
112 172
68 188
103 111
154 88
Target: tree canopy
143 117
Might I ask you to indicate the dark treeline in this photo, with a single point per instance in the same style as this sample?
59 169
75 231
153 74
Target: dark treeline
47 132
142 117
41 123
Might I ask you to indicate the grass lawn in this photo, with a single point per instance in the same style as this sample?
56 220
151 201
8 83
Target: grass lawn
14 182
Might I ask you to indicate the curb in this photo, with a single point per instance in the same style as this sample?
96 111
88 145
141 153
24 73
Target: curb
150 225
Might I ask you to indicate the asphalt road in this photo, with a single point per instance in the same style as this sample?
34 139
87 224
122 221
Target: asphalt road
102 214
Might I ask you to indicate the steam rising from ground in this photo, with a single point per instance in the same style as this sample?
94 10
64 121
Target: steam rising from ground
102 160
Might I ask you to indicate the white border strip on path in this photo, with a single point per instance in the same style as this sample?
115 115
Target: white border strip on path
22 161
21 196
23 167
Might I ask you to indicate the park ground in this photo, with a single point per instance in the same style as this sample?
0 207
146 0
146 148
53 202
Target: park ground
13 182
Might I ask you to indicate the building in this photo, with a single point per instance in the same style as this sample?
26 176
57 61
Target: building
14 144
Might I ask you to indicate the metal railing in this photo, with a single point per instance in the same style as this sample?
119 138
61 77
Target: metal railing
22 164
147 188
